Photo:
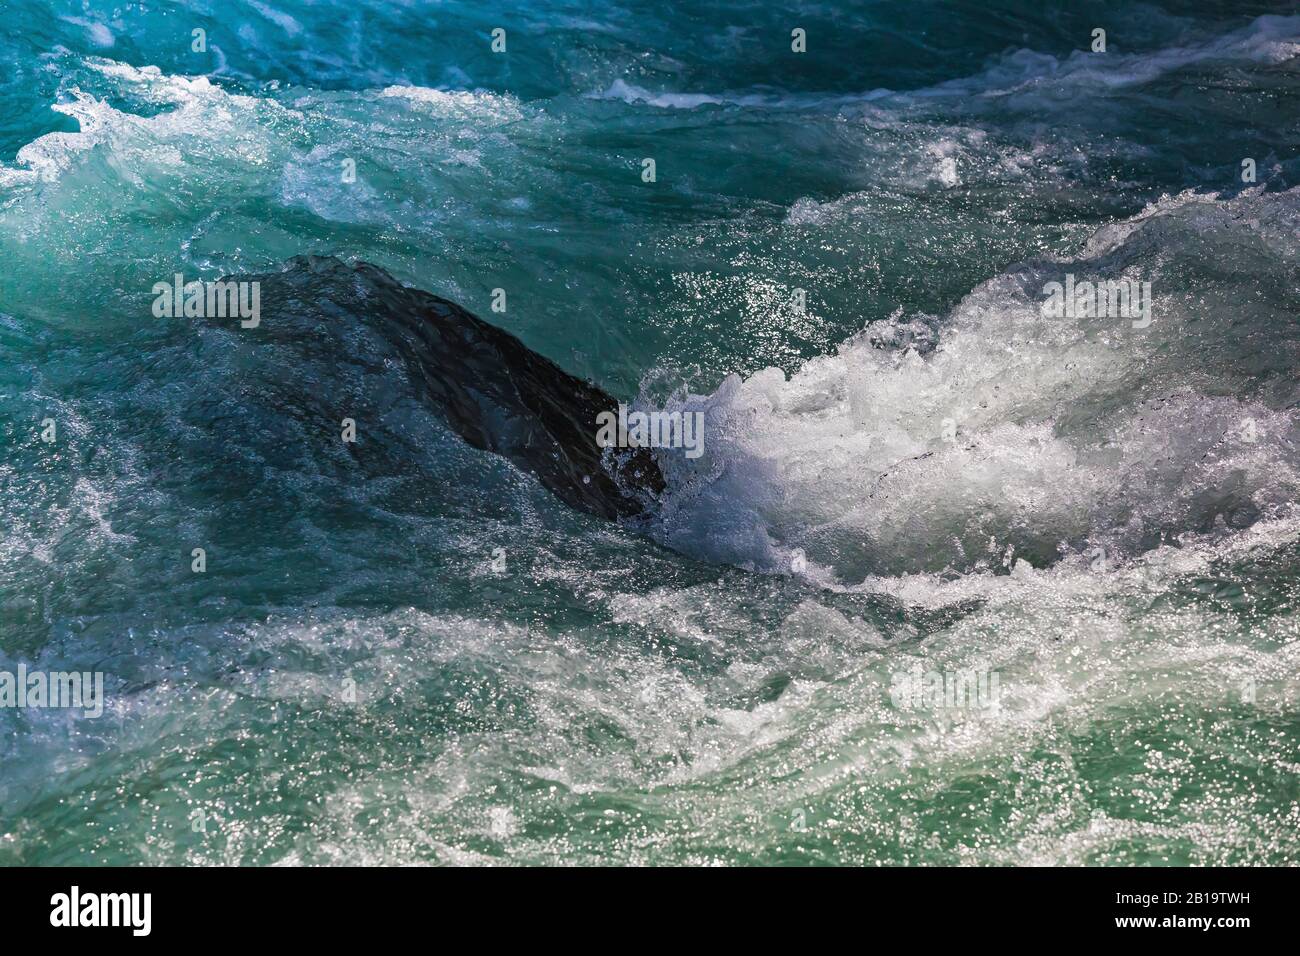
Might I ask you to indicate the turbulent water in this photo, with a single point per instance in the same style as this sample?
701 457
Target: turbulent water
407 650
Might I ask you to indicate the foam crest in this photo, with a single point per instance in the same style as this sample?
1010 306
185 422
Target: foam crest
202 113
1268 40
1003 433
478 106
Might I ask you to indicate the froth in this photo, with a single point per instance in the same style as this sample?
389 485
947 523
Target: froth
1006 434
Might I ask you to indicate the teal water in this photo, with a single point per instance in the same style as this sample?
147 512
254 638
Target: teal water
914 470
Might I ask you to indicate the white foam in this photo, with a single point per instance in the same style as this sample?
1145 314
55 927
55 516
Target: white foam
201 114
631 93
1017 431
459 104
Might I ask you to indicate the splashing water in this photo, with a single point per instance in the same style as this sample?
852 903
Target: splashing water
408 651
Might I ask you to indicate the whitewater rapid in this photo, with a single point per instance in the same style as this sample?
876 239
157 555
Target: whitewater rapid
1000 433
406 650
